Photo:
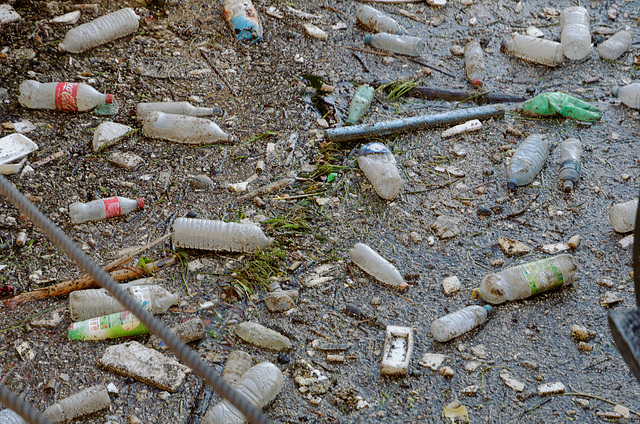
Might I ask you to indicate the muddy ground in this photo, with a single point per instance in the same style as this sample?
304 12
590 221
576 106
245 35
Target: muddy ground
267 103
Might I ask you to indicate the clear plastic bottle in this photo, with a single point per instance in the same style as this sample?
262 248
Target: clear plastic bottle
527 161
261 336
575 37
259 385
360 103
182 128
522 281
85 304
377 266
376 21
103 208
112 326
459 322
85 402
237 364
178 108
65 96
379 165
474 64
629 95
570 152
623 216
402 44
243 20
614 47
188 331
100 31
218 235
533 49
7 416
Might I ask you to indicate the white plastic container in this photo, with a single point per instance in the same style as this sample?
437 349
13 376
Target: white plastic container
614 47
7 416
522 281
402 44
459 322
379 165
377 21
100 31
527 161
103 208
178 108
575 37
377 266
182 128
398 348
629 95
570 152
474 64
623 216
78 405
218 235
65 96
533 49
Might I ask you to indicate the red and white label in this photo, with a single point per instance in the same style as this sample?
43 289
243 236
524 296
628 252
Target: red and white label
112 206
66 96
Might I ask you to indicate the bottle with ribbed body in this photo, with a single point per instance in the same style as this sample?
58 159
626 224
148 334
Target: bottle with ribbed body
360 103
474 64
575 37
218 235
188 331
570 152
533 49
376 266
63 96
182 128
237 364
100 31
7 416
79 404
623 216
103 208
527 161
629 95
403 44
178 108
459 322
376 21
379 165
614 47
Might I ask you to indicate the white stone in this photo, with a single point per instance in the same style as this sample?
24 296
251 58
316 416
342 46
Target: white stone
126 160
470 390
551 389
609 298
511 382
469 126
479 351
113 389
451 285
555 248
238 187
471 366
622 410
627 241
315 32
432 360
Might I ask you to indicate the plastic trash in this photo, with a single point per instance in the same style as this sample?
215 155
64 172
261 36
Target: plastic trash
527 161
218 235
623 216
7 416
237 364
614 47
376 21
85 402
360 103
377 266
379 165
575 36
570 152
402 44
474 64
261 336
182 128
66 96
551 104
522 281
100 31
188 331
459 322
398 348
8 14
629 95
178 108
87 7
533 49
103 208
243 20
112 326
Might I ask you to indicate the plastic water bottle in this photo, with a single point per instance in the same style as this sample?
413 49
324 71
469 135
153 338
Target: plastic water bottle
522 281
237 364
570 152
623 216
103 208
261 336
474 64
459 322
629 95
80 404
527 161
533 49
575 37
100 31
182 128
85 304
402 44
112 326
259 385
178 108
218 235
376 21
188 331
614 47
360 103
379 165
376 266
66 96
243 20
7 416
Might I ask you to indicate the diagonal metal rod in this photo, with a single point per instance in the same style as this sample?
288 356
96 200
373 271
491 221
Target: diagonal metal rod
174 343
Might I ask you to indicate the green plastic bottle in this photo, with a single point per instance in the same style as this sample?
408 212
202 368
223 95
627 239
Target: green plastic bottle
360 103
112 326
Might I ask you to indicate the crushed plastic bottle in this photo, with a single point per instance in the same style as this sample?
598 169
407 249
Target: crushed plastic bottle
614 47
575 37
261 336
100 31
85 402
177 108
377 266
64 96
527 161
218 235
376 21
360 103
379 165
243 20
533 49
623 216
7 416
237 364
182 128
402 44
570 152
112 326
103 208
629 95
459 322
188 331
474 64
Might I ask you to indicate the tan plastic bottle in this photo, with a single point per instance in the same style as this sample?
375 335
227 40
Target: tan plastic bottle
79 404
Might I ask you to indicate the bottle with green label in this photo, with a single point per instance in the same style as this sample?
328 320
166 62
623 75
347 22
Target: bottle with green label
112 326
522 281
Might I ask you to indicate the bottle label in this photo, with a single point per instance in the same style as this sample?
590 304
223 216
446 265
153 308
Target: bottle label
112 206
66 96
542 275
373 148
571 164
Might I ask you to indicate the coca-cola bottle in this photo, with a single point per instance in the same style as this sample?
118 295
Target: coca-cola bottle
67 96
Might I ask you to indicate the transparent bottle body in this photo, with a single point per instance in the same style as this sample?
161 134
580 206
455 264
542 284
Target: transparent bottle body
533 49
459 322
402 44
614 47
188 331
474 64
218 235
103 208
60 95
379 166
376 21
100 31
623 216
7 416
376 266
261 336
570 152
629 95
575 37
182 128
360 103
178 108
237 364
527 161
79 404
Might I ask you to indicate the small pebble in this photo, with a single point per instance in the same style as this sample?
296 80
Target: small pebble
574 241
447 372
585 346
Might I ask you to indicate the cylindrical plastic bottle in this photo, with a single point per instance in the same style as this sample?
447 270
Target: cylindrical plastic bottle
178 108
66 96
188 331
243 20
527 161
112 326
379 165
237 364
259 385
78 405
376 21
570 152
377 266
623 216
7 416
614 47
100 31
628 94
218 235
459 322
261 336
103 208
360 103
402 44
533 49
575 37
85 304
522 281
474 64
182 128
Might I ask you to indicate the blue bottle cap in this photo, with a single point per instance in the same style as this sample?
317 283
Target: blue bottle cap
367 38
489 309
512 184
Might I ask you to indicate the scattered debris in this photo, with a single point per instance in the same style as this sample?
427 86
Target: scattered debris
511 382
432 360
551 389
512 247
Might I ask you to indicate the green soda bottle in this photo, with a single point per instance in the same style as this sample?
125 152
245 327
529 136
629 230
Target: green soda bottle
360 103
120 324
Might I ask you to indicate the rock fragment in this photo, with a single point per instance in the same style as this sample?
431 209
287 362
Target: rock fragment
551 389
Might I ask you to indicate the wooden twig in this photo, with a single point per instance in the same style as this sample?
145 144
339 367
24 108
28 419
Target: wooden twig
215 69
523 210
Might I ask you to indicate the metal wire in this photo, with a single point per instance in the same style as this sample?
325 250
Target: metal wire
173 342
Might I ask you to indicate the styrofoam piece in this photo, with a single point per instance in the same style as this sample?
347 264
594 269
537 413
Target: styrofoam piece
13 167
67 18
8 14
469 126
109 133
15 146
398 347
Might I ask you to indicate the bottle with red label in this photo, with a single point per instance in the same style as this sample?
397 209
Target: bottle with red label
67 96
103 208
